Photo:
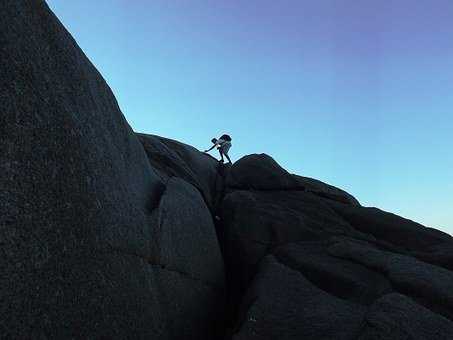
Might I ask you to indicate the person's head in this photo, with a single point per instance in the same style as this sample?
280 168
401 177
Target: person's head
214 140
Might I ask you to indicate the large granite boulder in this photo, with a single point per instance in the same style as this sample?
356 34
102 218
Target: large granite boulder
429 285
393 229
171 158
307 263
396 317
254 223
188 264
283 304
262 172
344 289
94 243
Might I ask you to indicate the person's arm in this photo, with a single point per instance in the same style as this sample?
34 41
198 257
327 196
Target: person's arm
212 147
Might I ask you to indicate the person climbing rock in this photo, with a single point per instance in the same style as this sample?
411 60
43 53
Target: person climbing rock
223 144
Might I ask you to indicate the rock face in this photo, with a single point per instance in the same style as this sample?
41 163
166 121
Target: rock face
108 234
171 158
94 243
311 263
261 172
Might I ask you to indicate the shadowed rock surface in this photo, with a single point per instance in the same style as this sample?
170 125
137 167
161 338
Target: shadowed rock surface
108 234
306 261
262 172
362 273
172 158
94 243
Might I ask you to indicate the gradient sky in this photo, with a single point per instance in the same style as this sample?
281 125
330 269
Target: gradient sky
355 93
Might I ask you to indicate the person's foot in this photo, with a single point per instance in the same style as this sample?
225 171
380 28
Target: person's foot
221 161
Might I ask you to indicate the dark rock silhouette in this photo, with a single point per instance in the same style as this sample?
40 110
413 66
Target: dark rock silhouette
94 243
171 158
108 234
310 266
261 172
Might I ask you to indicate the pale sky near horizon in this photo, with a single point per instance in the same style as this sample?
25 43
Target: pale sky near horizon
357 94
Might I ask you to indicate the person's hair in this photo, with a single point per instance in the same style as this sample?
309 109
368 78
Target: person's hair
214 140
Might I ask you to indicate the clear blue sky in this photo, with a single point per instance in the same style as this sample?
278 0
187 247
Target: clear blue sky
355 93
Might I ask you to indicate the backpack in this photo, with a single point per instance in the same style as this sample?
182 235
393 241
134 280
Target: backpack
226 138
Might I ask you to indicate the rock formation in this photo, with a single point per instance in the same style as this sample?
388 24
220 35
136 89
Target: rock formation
96 243
108 234
303 264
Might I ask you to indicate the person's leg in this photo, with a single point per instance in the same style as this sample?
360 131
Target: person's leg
225 150
221 155
228 157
